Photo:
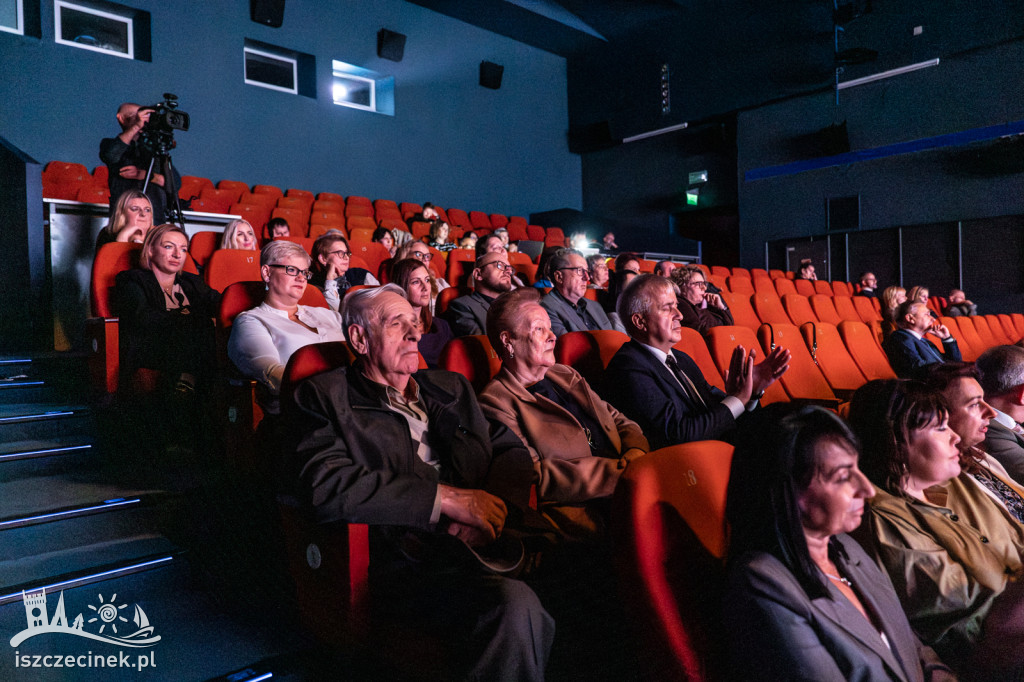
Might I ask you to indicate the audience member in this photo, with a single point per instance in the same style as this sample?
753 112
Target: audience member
262 339
414 278
502 234
908 351
421 252
892 297
491 243
664 268
383 236
1001 371
608 242
568 309
278 227
868 284
919 294
627 267
238 234
806 270
959 306
598 267
427 214
401 237
409 453
468 241
951 549
331 271
166 314
544 267
701 310
662 389
131 220
438 236
627 261
804 600
579 443
127 162
491 278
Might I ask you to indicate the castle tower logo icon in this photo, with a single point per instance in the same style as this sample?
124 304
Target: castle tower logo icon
113 623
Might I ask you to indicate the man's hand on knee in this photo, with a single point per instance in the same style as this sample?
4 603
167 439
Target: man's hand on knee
478 516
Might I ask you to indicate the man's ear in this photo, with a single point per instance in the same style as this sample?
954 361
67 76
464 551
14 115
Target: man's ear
478 274
357 340
639 321
1018 395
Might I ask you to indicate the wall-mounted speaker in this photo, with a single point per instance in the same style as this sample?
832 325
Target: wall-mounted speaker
267 12
490 75
390 45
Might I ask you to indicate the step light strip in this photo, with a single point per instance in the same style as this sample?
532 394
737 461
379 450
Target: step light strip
68 513
91 578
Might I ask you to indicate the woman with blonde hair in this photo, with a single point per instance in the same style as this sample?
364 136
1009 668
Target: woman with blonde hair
892 297
238 234
131 220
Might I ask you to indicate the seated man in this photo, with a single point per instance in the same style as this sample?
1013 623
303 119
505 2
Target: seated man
662 389
491 277
278 227
700 308
664 268
409 453
568 309
959 306
969 418
1002 378
908 351
868 284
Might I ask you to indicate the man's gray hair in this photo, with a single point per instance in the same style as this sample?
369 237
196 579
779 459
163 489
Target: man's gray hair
638 297
279 249
1001 369
560 259
357 308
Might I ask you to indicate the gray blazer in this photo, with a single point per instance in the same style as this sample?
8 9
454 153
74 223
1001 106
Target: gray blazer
564 319
1007 447
467 314
777 632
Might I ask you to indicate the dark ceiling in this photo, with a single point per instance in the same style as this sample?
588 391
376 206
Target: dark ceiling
786 47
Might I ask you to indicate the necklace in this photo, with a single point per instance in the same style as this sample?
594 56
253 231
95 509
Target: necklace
845 581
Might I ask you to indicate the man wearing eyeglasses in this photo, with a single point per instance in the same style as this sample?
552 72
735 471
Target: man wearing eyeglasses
332 273
701 309
492 277
568 309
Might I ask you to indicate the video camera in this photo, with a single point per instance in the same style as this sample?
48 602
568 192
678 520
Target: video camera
158 134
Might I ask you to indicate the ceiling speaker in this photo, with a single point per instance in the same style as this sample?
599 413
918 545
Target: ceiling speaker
390 45
490 75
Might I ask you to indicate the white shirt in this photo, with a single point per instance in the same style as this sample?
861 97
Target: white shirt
262 339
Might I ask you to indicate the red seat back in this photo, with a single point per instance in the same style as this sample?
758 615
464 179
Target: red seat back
589 352
472 357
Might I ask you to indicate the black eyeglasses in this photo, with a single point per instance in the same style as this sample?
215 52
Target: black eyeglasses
582 272
421 256
293 271
341 254
502 266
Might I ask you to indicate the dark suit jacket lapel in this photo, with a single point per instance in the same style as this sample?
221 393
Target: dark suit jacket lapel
661 372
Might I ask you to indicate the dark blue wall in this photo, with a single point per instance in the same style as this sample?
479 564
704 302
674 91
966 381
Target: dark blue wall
451 141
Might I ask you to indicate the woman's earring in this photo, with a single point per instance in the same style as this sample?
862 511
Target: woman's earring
266 285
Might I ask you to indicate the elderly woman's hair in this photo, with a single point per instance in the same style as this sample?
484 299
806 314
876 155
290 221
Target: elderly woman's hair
357 306
401 273
638 297
683 274
323 244
401 237
593 259
435 229
775 460
504 315
1001 369
153 238
227 241
276 251
119 218
883 413
623 258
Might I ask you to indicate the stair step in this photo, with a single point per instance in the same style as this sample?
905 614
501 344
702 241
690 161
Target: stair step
35 495
49 457
34 449
43 420
66 513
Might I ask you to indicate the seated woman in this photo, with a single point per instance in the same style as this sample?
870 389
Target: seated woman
332 274
438 236
132 219
806 270
421 252
414 277
598 267
262 339
953 552
238 234
892 297
700 308
166 315
579 443
384 237
803 600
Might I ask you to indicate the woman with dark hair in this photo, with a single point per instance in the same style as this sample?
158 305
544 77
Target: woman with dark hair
806 270
438 236
414 277
954 553
804 601
384 236
166 314
627 267
331 271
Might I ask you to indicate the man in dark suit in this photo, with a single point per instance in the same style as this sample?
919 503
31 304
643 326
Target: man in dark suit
908 351
567 307
409 452
662 389
1002 378
868 284
491 277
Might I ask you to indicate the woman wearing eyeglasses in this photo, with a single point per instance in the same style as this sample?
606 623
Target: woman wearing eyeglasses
262 339
332 273
701 309
131 220
421 252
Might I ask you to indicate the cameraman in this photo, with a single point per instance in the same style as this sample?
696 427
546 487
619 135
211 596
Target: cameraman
127 162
